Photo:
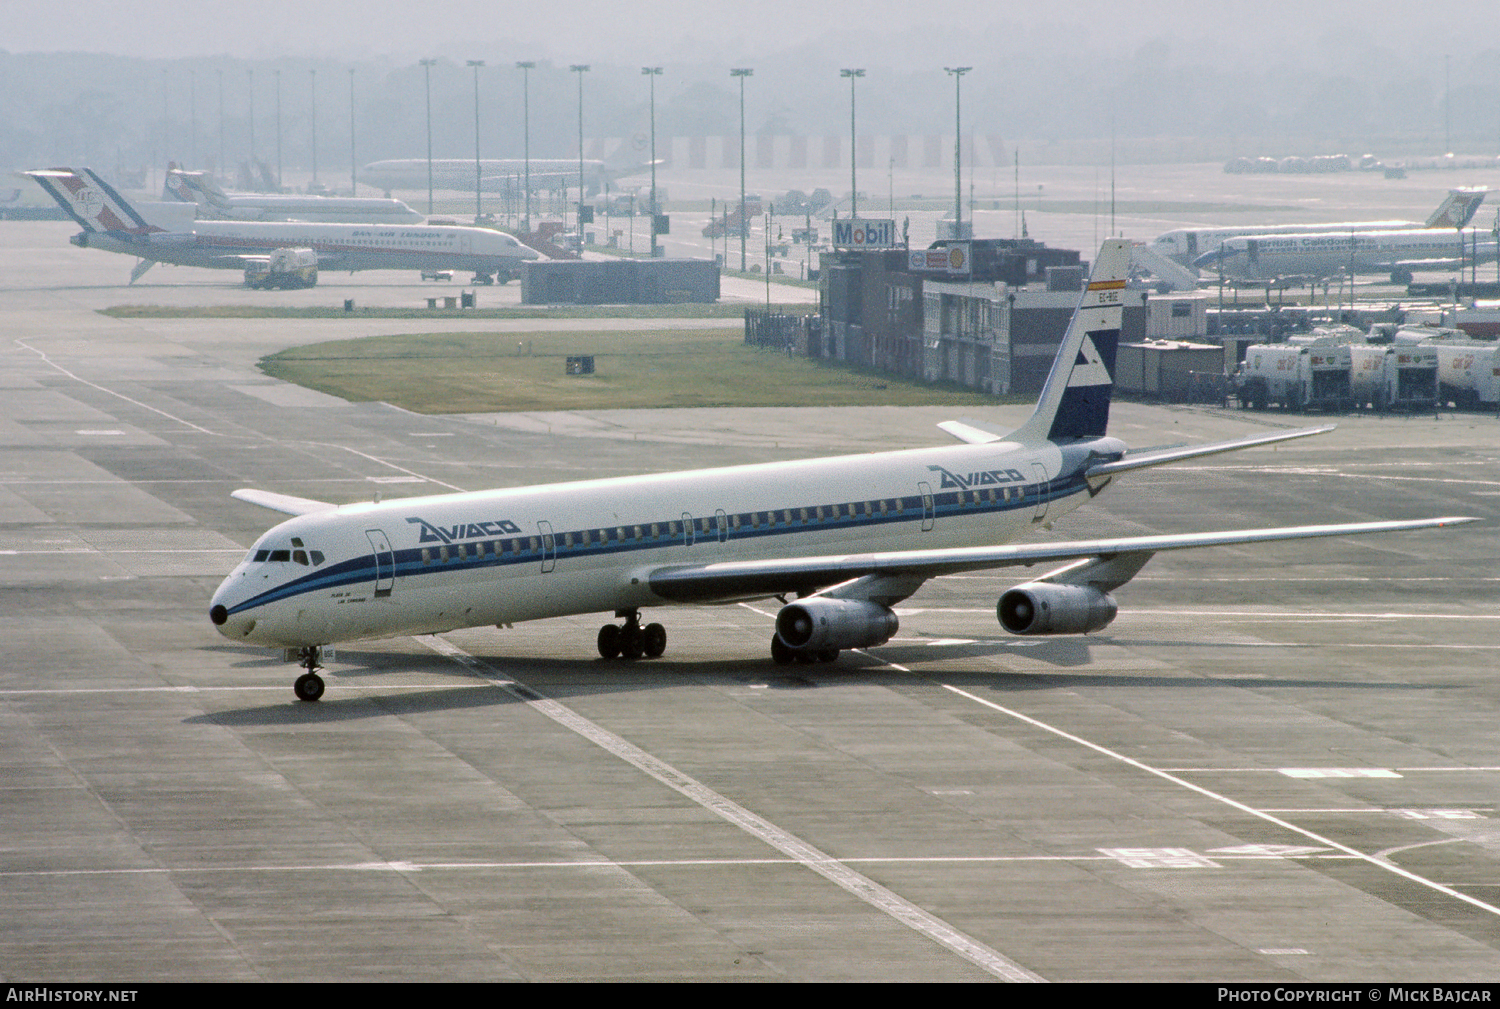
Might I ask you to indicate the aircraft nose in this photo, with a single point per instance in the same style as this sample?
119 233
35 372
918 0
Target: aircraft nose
232 625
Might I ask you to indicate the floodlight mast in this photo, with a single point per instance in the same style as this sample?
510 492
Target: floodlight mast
478 179
742 73
653 73
580 69
958 189
853 141
526 66
427 66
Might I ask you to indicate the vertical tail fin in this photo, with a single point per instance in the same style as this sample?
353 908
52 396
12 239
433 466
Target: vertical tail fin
197 188
1075 401
1458 209
91 201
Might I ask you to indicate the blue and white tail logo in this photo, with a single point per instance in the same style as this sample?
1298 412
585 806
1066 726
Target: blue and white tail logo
1075 401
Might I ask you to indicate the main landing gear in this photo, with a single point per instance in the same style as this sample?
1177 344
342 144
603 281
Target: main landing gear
785 656
632 641
309 686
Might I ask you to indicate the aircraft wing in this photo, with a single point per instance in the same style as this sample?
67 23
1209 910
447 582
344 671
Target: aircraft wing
733 580
284 503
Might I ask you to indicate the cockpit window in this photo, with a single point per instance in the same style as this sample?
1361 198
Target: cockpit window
299 554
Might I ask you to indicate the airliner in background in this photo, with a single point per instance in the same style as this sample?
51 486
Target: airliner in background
214 203
111 223
1185 245
1335 253
499 175
849 536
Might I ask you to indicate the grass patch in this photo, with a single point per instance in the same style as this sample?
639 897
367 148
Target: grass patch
723 310
490 372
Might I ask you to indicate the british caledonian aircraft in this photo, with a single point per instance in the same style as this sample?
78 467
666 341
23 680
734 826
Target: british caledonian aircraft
849 536
111 223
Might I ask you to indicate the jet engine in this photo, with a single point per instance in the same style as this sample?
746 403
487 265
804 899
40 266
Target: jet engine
1043 608
822 624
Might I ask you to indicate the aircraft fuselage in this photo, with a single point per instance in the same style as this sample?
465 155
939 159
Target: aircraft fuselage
432 564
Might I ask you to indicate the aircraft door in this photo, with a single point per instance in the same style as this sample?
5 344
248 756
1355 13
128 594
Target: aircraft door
1192 245
1040 473
687 529
549 546
723 523
385 562
928 510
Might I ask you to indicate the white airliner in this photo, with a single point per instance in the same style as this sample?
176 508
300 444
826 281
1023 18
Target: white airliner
1331 253
112 224
500 175
213 203
1185 245
850 536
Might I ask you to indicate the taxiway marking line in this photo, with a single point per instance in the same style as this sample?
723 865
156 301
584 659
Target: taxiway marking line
118 395
644 863
834 870
1374 860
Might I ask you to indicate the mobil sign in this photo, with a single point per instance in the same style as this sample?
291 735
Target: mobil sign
855 234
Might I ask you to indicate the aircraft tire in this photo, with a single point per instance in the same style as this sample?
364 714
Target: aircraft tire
780 653
632 645
609 641
654 640
308 687
828 655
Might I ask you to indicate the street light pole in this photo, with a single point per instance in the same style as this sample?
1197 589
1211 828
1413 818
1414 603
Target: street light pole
478 202
742 73
314 121
278 131
958 191
223 171
526 66
853 142
353 181
251 89
580 69
654 209
427 66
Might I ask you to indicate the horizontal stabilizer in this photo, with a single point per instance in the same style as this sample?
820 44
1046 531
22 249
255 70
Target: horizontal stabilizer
973 432
1162 457
285 503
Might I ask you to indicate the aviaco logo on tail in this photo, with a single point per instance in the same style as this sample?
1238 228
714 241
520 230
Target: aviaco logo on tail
982 479
462 531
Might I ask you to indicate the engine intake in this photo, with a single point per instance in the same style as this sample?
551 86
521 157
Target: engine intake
1041 608
817 624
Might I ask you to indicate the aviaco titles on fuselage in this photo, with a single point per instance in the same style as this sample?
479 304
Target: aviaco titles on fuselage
849 536
111 223
1185 245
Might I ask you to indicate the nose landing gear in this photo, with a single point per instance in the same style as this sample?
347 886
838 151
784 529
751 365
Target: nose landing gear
309 686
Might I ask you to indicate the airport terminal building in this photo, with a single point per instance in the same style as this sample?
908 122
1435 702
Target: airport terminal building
985 313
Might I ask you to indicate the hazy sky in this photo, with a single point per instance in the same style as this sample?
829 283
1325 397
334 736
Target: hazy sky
632 31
